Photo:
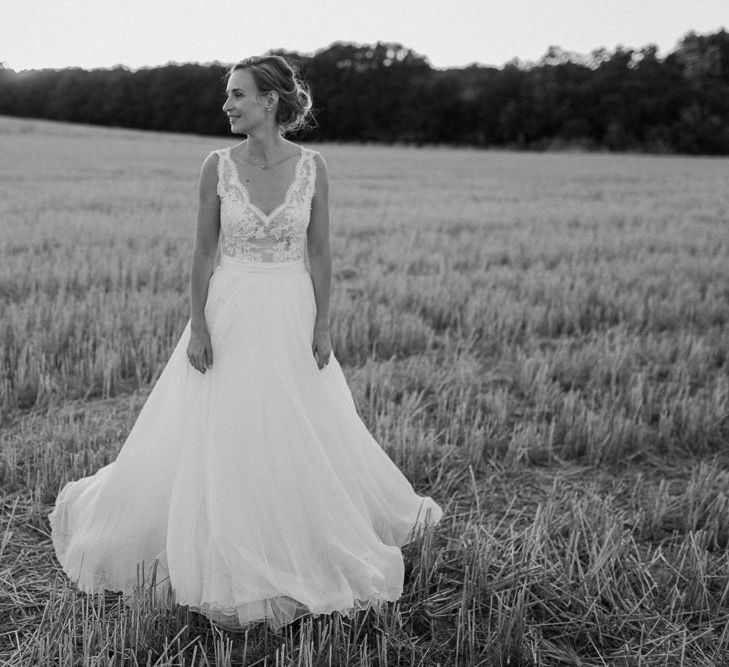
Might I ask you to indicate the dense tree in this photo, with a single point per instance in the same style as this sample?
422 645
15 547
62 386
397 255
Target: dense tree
627 99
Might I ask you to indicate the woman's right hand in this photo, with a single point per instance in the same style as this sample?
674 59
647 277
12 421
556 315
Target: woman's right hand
199 349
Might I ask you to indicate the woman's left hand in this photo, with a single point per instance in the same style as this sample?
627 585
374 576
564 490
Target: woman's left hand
321 346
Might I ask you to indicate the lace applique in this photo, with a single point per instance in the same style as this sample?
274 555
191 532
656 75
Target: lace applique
249 234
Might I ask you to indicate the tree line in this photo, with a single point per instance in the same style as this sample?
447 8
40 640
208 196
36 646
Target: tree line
625 99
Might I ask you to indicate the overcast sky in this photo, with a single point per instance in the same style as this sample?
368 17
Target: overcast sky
135 33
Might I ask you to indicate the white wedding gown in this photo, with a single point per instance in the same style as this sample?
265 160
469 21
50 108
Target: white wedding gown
254 489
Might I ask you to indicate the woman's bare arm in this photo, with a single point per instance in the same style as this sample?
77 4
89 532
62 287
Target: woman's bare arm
320 262
202 264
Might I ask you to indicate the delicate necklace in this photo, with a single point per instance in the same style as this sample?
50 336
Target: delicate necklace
266 165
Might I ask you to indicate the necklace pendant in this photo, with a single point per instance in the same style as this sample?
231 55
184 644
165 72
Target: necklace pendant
263 166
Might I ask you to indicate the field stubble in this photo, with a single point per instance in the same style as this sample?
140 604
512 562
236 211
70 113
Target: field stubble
539 341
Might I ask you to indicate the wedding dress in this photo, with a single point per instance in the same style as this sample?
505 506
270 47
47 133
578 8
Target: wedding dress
254 489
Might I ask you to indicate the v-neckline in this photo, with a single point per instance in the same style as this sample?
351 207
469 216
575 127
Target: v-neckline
247 193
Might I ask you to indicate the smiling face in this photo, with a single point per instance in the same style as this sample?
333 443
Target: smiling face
245 107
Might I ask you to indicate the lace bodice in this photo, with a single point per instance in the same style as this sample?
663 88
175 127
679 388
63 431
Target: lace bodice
249 234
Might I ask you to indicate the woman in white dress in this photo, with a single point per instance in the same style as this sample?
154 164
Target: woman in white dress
249 485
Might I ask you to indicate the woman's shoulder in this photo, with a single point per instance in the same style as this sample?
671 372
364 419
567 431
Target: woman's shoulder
209 169
312 157
215 157
315 156
314 153
218 152
319 161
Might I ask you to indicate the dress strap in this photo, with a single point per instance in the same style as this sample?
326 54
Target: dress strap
223 169
309 172
219 152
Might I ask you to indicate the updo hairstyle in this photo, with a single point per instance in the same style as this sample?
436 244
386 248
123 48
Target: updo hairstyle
274 72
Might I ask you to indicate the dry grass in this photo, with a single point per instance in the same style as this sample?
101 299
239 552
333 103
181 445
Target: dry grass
539 341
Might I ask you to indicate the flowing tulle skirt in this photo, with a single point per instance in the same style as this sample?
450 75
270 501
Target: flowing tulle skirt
255 489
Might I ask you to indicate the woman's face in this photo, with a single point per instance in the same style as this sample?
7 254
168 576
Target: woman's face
243 104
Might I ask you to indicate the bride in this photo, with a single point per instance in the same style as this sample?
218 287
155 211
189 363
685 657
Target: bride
249 484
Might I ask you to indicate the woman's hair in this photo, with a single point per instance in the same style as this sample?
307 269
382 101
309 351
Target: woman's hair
276 73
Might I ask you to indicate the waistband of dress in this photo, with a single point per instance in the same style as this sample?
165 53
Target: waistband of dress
297 266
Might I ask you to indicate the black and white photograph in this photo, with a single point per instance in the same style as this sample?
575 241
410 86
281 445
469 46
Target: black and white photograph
373 334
